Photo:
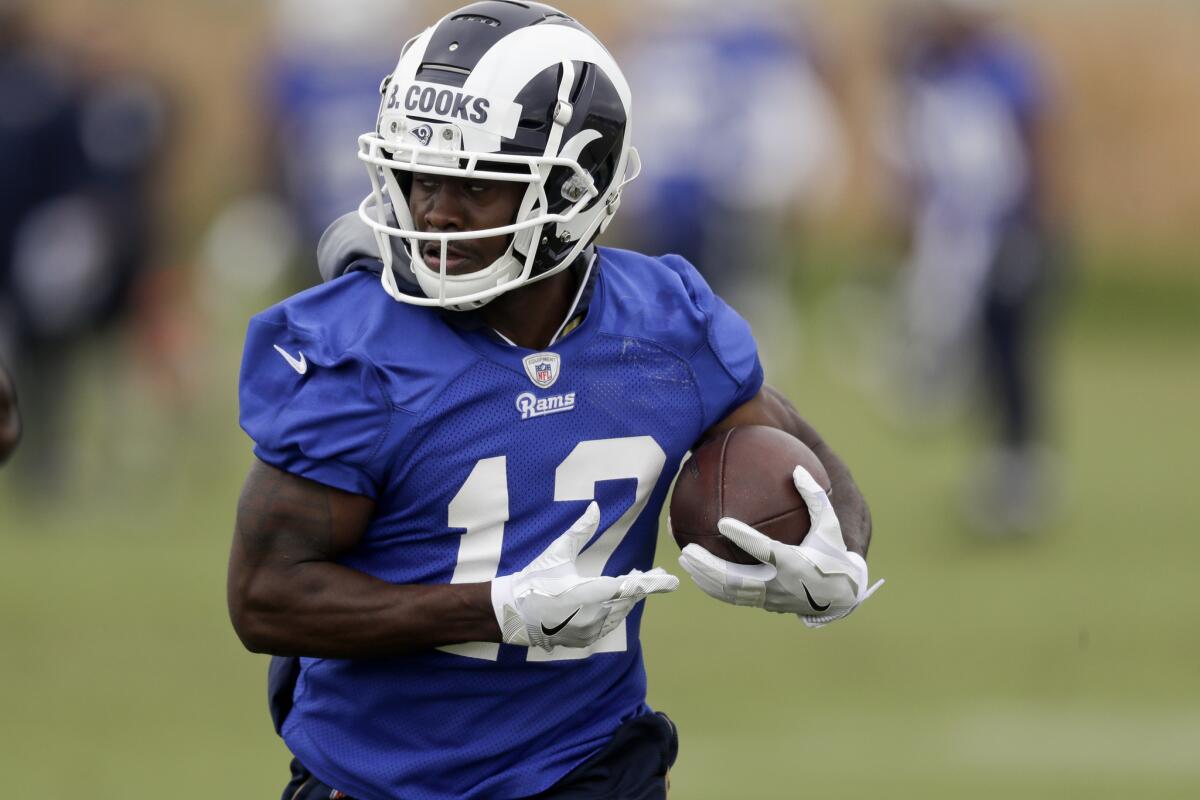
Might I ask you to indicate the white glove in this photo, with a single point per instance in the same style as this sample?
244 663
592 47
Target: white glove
819 580
548 604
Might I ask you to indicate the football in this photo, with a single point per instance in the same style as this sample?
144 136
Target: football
744 473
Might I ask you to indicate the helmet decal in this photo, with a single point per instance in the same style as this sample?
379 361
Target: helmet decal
423 134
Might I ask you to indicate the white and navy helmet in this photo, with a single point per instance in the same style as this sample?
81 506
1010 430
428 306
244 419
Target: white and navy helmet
500 91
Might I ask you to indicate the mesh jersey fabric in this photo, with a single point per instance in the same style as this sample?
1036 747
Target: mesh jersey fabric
442 427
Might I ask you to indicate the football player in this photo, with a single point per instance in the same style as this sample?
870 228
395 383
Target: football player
465 436
972 139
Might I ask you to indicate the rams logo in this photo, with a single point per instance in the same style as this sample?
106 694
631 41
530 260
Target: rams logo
531 406
423 134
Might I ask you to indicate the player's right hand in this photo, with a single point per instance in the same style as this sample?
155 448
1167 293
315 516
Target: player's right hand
819 580
549 604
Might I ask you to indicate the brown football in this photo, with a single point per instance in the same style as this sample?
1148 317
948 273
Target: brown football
744 473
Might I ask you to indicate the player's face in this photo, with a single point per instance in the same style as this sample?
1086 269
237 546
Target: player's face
441 204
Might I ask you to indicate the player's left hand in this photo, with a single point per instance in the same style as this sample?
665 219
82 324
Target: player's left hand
819 580
549 604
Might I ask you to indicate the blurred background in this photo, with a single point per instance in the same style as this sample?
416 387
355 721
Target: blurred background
965 232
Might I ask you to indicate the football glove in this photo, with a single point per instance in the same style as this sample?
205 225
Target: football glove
549 604
819 580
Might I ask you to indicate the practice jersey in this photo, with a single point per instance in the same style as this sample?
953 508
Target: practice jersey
479 454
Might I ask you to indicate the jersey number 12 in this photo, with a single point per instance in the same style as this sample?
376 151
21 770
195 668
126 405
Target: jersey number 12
481 507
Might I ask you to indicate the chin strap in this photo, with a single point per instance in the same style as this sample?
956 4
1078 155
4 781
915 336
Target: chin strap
566 326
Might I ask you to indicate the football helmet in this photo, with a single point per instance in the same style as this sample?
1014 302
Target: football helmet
499 91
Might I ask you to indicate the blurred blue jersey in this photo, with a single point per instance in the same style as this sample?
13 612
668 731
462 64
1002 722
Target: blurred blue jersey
736 131
970 117
316 105
479 454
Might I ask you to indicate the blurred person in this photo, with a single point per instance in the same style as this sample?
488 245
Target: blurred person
126 116
970 145
39 159
10 415
423 445
79 136
321 83
741 138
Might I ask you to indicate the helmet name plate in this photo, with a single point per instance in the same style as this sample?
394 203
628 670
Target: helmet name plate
428 98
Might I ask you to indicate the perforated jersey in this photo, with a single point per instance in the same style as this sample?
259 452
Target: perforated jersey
478 455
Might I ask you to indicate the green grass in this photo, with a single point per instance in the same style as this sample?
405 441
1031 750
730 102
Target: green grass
1062 666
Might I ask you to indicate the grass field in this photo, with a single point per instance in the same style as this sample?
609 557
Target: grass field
1060 667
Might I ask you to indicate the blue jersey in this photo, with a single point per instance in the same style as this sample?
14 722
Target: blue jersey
318 104
478 455
972 118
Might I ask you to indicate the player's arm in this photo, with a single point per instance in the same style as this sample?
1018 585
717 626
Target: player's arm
823 578
288 596
769 407
10 418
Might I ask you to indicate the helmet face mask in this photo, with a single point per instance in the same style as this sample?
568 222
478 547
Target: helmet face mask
500 92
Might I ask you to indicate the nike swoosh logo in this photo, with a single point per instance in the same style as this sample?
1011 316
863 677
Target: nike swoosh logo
300 365
816 606
561 625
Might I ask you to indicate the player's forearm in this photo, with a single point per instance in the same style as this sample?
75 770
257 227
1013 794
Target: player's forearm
288 595
847 499
326 610
849 503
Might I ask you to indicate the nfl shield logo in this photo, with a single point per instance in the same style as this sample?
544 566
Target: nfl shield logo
542 369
